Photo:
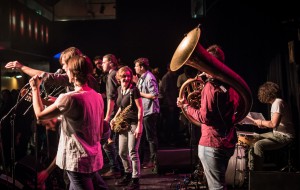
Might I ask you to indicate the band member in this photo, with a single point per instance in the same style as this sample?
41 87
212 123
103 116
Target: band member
218 134
55 79
79 150
109 67
59 81
148 87
281 123
131 112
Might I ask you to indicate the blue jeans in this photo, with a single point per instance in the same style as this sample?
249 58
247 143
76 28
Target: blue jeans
83 181
215 162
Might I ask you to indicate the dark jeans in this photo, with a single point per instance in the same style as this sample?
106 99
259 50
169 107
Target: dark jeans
111 152
149 134
83 181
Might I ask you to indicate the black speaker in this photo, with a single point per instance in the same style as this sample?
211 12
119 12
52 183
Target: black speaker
6 182
272 180
174 160
25 170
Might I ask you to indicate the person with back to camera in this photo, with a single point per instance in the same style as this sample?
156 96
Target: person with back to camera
281 123
79 150
59 80
218 134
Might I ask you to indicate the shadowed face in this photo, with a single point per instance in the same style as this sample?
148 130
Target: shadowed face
106 65
98 64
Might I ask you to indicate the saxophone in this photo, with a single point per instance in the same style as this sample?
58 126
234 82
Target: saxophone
120 123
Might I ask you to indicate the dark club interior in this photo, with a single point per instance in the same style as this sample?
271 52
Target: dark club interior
261 42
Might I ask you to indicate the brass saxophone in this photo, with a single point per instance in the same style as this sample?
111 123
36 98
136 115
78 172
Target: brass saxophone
120 123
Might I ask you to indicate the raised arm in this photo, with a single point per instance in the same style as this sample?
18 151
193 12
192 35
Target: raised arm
19 66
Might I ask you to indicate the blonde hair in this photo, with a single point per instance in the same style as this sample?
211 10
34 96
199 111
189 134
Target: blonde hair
123 70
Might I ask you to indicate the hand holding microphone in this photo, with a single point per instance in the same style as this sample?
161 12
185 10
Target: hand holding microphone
36 80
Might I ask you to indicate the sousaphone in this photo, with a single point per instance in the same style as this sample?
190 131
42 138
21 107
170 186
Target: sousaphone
191 53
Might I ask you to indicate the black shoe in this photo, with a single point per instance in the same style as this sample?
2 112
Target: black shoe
125 180
134 184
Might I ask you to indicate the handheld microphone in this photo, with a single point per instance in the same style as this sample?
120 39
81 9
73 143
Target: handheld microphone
202 74
59 71
43 76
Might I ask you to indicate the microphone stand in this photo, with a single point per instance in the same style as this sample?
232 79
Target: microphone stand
12 117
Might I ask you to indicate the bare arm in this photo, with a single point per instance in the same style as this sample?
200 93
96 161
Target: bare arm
44 174
110 108
269 124
41 113
139 129
19 66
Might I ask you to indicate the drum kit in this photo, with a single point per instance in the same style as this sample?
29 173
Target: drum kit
237 169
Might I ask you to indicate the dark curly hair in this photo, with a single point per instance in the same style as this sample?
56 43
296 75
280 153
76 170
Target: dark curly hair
268 92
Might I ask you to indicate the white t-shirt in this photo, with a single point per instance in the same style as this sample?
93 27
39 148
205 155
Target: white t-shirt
79 148
286 125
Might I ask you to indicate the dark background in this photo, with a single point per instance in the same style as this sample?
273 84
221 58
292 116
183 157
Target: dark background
252 33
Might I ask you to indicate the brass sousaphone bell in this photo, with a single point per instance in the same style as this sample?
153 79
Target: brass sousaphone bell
205 62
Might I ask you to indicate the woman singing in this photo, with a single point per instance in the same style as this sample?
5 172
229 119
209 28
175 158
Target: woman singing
79 150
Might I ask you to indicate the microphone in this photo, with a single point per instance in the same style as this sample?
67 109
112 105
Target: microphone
43 76
59 71
202 74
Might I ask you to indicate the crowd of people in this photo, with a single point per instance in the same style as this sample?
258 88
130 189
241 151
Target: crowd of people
110 108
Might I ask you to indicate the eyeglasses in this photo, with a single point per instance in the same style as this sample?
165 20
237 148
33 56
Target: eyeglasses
103 62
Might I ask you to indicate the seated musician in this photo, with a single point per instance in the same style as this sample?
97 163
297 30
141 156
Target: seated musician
283 131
